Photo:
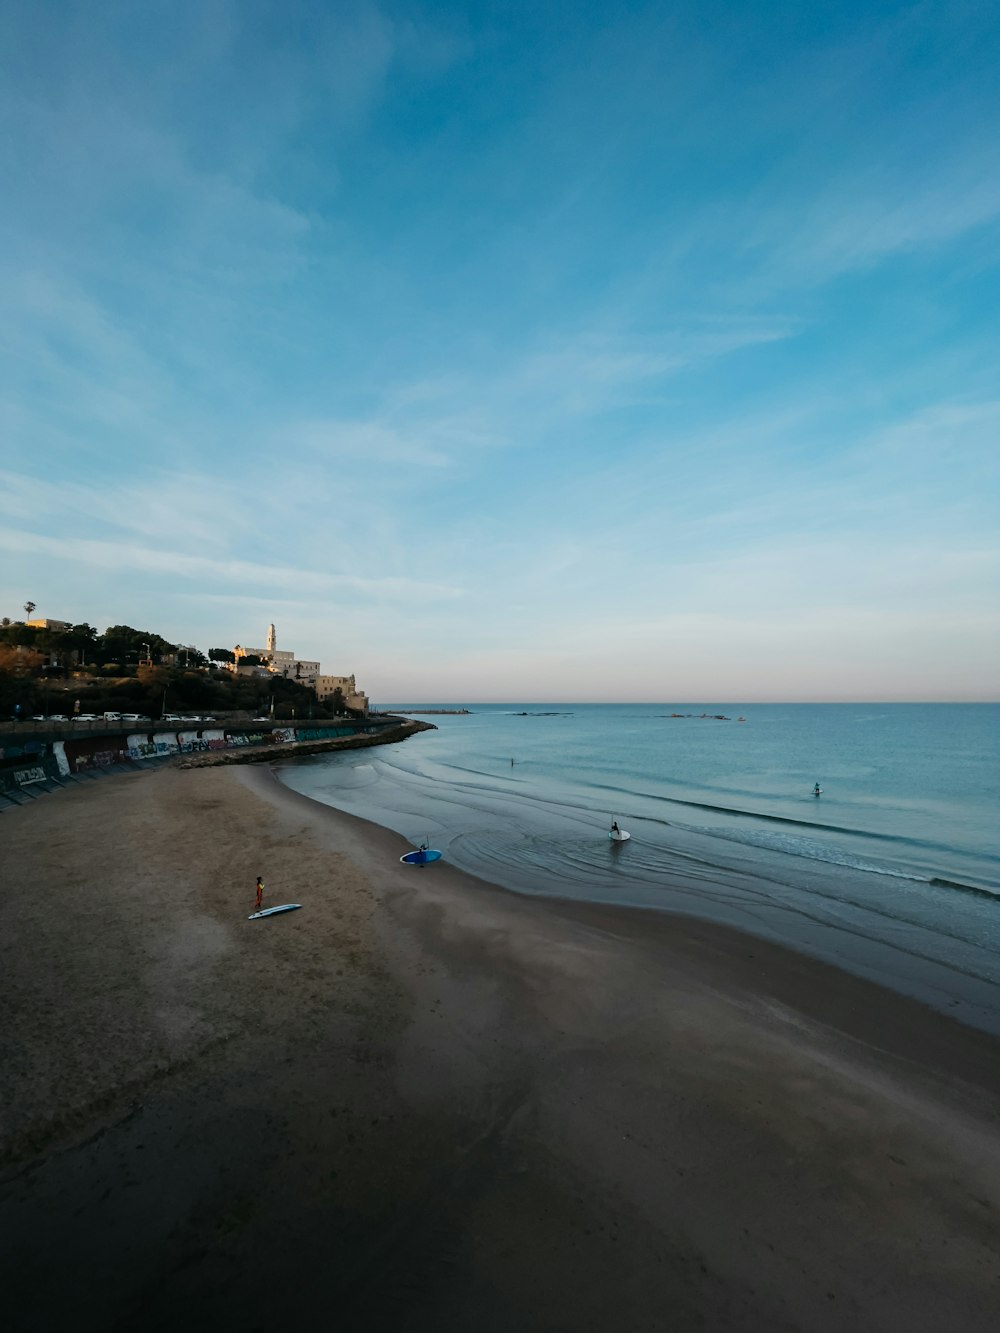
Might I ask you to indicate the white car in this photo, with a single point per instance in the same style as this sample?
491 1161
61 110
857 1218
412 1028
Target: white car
171 717
135 717
84 717
57 717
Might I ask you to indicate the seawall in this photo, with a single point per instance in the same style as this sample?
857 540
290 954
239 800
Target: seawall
33 764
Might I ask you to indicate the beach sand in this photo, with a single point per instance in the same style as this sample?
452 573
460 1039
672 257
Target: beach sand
424 1103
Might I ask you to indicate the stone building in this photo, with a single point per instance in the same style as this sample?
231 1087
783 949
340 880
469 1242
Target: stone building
354 698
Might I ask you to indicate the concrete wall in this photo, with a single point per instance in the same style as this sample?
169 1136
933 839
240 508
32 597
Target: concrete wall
25 760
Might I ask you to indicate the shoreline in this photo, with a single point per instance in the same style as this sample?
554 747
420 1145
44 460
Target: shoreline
750 900
821 991
435 1104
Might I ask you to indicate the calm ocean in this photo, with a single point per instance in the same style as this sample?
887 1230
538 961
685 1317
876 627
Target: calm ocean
893 872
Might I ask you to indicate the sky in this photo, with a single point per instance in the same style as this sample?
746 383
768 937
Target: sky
511 351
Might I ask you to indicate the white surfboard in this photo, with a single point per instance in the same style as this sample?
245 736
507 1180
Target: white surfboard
270 911
620 836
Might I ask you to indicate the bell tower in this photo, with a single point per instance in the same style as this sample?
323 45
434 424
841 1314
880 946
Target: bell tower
272 639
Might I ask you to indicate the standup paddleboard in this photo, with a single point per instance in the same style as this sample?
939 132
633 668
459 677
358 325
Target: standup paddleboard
620 836
420 857
270 911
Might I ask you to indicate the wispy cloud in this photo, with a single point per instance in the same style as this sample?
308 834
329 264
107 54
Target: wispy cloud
595 370
165 508
216 573
413 443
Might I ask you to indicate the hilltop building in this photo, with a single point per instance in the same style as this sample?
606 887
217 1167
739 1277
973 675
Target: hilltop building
282 662
354 698
49 624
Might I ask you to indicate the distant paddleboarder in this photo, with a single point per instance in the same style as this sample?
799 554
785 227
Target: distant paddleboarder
260 892
817 790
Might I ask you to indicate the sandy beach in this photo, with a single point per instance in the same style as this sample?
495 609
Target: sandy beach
422 1102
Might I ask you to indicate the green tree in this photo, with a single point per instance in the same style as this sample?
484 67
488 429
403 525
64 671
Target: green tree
119 642
81 639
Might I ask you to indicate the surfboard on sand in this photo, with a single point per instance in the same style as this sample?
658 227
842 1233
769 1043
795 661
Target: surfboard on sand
271 911
420 857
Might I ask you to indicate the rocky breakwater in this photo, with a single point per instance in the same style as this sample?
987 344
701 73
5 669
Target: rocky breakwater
257 754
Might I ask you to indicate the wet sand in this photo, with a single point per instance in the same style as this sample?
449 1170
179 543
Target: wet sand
424 1103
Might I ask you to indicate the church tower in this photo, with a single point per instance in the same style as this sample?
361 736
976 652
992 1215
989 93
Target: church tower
272 639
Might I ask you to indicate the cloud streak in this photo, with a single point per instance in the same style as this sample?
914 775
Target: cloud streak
216 573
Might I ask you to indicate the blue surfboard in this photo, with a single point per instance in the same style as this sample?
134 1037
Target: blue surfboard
420 857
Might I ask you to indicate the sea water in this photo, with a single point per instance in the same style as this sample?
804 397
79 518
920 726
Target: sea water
893 872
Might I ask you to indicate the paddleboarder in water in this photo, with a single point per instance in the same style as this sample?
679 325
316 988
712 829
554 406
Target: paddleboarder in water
817 790
260 892
614 826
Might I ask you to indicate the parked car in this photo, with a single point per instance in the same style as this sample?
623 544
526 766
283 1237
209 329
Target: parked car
171 717
57 717
111 717
84 717
135 717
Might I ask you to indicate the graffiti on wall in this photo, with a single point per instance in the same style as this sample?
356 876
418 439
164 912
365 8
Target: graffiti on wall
62 758
96 752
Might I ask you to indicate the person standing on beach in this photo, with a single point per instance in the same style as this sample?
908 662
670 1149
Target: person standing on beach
260 892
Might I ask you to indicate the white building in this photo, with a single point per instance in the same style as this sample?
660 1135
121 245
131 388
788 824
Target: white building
281 662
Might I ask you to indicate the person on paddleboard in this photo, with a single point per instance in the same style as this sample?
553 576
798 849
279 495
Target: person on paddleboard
260 892
614 826
817 790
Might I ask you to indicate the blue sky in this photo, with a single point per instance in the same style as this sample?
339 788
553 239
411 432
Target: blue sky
511 351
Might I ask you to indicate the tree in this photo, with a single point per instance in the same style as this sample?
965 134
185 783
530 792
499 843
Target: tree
28 609
5 621
118 642
80 639
221 654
